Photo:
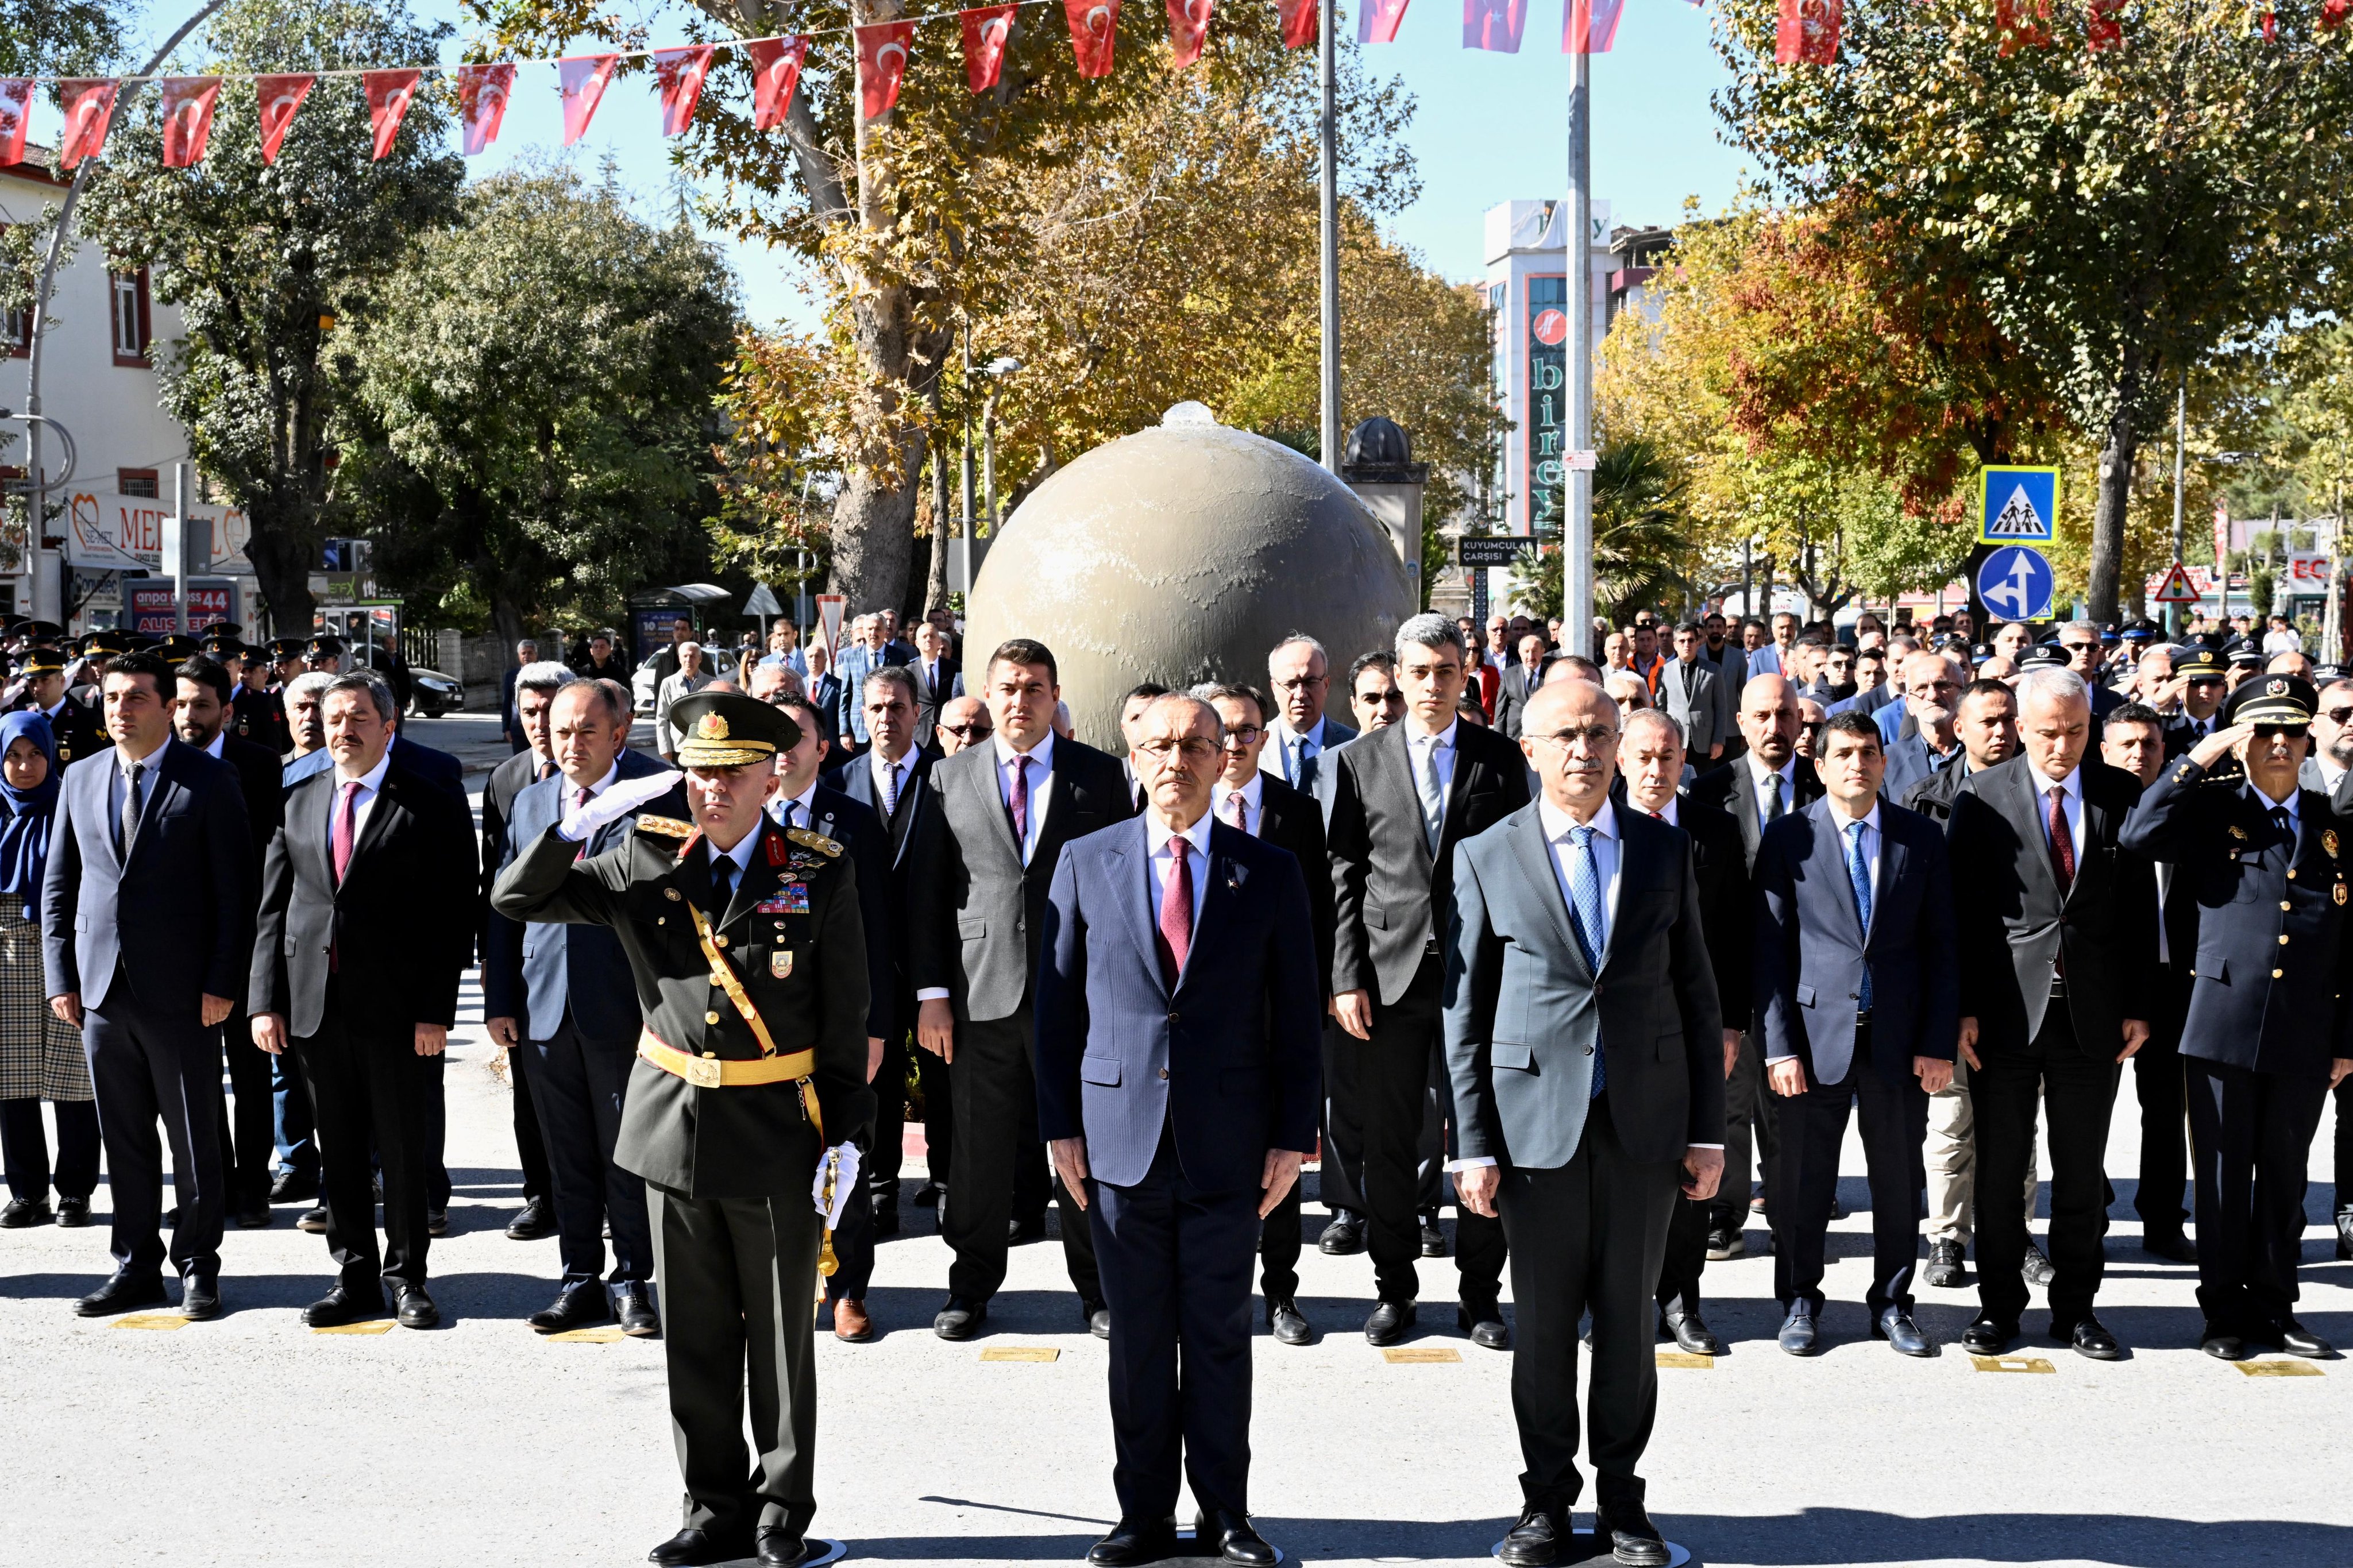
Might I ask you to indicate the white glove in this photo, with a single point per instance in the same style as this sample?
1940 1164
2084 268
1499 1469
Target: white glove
845 1182
580 821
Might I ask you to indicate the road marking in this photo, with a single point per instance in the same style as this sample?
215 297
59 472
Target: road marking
1421 1355
152 1321
2012 1364
1685 1358
1022 1353
603 1334
2277 1368
380 1326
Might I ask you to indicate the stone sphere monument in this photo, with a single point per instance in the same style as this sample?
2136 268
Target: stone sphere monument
1183 554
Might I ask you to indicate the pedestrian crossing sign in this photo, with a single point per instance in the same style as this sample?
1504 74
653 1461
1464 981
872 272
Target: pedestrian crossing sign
2016 505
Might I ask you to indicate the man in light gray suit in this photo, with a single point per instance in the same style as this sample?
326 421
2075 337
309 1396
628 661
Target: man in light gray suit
1301 674
1583 1041
1690 694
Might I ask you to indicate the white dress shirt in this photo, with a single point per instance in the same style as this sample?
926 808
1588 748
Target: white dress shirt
1786 780
1157 835
571 790
1288 743
890 779
1041 782
1434 754
1253 816
371 784
213 748
2072 803
797 811
741 855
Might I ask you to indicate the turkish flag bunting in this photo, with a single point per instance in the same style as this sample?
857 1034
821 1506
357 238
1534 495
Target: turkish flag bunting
482 103
581 80
1589 27
1807 33
1094 27
1299 23
776 72
986 29
1376 21
1493 25
881 64
1188 28
187 117
2017 26
15 114
2334 12
2271 24
279 96
388 93
2103 26
679 73
89 103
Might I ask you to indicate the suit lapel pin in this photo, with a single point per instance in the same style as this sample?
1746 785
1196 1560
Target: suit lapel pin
2238 832
2328 841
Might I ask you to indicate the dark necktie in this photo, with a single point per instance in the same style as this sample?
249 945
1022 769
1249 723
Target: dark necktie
131 806
1773 805
1176 914
1020 805
2062 843
2284 825
723 880
580 799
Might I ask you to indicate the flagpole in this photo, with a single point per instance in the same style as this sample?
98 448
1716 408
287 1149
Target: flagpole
1577 541
1329 241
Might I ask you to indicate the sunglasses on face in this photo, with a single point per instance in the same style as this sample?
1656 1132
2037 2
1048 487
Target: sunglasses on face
2274 731
2337 715
965 731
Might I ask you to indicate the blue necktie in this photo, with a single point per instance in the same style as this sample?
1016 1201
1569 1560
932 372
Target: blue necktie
1860 875
1585 917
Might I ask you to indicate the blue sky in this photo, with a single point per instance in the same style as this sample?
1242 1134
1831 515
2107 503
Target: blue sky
1488 128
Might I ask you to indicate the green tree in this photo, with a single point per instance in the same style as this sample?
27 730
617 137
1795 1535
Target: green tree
2123 215
530 415
275 266
1641 538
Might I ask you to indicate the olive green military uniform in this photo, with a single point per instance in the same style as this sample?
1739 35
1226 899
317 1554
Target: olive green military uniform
728 1168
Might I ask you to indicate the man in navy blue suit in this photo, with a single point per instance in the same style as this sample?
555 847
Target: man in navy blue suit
1178 1085
1859 988
563 997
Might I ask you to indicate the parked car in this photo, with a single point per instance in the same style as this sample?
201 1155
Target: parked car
432 693
641 686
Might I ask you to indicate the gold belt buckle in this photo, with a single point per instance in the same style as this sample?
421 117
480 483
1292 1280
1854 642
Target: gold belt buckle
703 1071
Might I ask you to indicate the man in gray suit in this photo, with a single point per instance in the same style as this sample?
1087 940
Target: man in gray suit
1520 680
1301 674
1583 1043
1690 694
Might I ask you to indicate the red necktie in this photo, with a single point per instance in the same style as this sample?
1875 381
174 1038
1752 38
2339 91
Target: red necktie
1235 809
1020 802
340 840
2062 843
1176 914
580 802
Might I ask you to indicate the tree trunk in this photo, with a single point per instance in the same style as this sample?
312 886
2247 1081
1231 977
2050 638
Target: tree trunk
283 553
2114 500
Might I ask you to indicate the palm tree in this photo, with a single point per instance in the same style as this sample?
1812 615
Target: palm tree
1639 539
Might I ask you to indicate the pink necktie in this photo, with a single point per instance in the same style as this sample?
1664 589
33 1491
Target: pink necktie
340 840
1176 914
1021 801
1234 810
580 798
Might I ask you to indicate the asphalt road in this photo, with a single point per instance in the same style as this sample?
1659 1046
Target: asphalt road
252 1441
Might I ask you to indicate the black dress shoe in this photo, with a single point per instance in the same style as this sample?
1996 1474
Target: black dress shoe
1902 1334
633 1304
1691 1333
416 1310
313 1221
1945 1270
1288 1324
535 1223
1635 1540
200 1299
1097 1318
1536 1540
1483 1321
2089 1339
1238 1542
126 1292
776 1547
693 1548
253 1219
1986 1337
341 1305
2222 1343
1019 1232
927 1196
293 1187
436 1221
171 1217
1725 1243
2173 1246
1133 1542
23 1212
960 1319
1798 1335
2296 1340
2036 1269
1389 1321
72 1213
1344 1236
1433 1240
577 1305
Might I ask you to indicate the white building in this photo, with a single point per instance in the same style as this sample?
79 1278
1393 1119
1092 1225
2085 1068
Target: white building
98 355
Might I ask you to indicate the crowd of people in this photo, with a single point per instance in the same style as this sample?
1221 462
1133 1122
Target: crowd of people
1615 940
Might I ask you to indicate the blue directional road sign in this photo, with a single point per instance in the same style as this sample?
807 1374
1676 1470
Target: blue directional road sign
2015 583
2016 505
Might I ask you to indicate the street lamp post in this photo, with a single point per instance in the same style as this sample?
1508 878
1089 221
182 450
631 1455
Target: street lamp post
1328 225
1577 541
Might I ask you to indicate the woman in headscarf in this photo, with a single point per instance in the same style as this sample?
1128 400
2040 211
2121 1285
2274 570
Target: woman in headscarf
40 1054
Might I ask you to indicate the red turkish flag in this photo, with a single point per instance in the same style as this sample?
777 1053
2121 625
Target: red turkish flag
2103 26
1188 28
1378 20
2271 24
1587 26
680 74
1299 23
388 93
187 117
89 103
15 114
279 96
1094 28
482 103
1807 33
987 30
776 72
1493 25
2334 12
580 81
881 64
2021 28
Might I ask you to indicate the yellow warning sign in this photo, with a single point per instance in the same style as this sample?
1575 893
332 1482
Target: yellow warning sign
2012 1364
1420 1356
1022 1353
2176 588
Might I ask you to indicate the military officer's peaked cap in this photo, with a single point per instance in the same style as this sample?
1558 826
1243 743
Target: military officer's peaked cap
2200 664
729 729
2271 699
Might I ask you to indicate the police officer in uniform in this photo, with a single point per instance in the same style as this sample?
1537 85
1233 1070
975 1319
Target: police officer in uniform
75 727
749 953
2269 1031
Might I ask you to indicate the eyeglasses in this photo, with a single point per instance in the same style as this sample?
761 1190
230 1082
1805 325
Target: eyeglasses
2336 715
1302 682
1192 748
2275 731
1596 737
965 731
1243 737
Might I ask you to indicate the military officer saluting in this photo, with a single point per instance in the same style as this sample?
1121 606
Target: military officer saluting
749 1081
2269 1028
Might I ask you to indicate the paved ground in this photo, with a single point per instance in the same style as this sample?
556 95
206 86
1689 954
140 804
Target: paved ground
251 1441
